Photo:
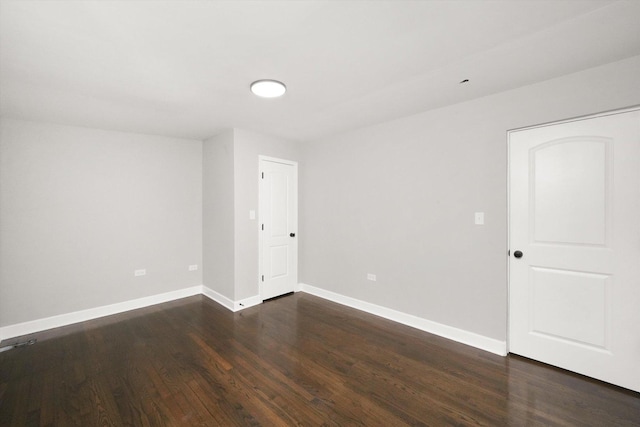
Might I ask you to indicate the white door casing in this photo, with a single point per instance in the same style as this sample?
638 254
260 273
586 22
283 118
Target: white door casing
278 227
574 213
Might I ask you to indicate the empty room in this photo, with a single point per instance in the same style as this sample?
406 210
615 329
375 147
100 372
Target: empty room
376 213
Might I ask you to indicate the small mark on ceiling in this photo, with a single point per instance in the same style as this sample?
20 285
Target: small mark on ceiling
464 81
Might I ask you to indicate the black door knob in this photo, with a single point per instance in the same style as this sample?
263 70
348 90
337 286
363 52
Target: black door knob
517 254
292 234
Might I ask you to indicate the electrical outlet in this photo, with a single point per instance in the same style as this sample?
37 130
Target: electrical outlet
141 272
193 267
371 277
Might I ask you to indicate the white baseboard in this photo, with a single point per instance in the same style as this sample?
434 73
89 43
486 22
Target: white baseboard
228 303
38 325
247 302
465 337
459 335
33 326
219 298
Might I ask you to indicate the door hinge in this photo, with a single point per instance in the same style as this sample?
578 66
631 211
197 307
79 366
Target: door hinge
263 277
509 252
262 175
262 227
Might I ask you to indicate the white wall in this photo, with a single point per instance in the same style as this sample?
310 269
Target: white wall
230 246
218 231
80 209
398 200
248 146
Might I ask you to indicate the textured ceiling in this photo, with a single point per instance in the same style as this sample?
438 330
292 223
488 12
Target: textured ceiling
183 68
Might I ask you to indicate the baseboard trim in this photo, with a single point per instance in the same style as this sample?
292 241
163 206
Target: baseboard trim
247 302
30 327
465 337
228 303
219 298
455 334
39 325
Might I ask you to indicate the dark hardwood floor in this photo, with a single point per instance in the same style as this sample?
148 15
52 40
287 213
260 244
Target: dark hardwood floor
298 360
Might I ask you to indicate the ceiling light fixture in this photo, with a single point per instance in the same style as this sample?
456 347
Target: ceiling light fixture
268 88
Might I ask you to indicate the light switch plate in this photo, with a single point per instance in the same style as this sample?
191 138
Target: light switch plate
479 218
252 214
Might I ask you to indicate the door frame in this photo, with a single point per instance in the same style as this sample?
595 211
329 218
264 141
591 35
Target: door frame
509 132
262 159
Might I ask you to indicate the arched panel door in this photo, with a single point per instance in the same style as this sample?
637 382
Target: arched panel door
278 227
574 281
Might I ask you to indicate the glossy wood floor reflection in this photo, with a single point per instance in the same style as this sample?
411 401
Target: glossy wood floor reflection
298 360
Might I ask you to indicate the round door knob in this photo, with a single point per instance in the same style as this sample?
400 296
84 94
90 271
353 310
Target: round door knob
518 254
292 234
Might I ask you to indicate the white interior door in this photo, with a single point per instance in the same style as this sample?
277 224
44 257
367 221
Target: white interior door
574 292
279 223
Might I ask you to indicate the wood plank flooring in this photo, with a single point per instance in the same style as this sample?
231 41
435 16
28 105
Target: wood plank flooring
297 360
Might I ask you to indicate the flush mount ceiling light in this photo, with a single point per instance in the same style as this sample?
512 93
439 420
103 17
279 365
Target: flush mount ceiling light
268 88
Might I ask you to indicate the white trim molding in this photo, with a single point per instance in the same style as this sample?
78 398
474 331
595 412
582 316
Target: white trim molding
228 303
247 302
38 325
455 334
219 298
459 335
